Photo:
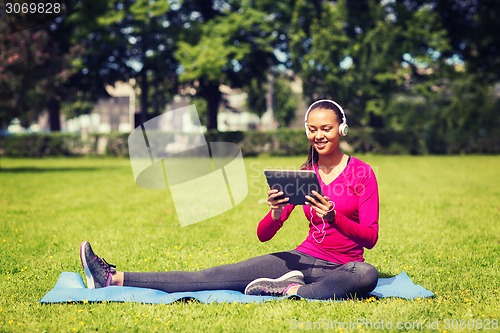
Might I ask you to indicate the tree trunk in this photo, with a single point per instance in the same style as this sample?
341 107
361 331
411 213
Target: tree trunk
54 108
213 98
144 98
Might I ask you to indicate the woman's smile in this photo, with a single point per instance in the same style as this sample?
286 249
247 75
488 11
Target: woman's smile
320 144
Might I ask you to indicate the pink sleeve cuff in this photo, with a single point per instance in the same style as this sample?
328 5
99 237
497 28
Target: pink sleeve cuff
268 227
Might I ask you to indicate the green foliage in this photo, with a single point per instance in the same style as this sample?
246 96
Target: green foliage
472 28
467 117
284 100
256 101
290 143
126 40
416 128
394 71
226 47
40 67
201 108
41 145
144 10
28 69
327 47
117 144
206 59
359 61
284 142
77 107
232 49
387 62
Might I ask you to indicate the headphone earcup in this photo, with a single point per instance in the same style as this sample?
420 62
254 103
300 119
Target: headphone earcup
343 129
307 130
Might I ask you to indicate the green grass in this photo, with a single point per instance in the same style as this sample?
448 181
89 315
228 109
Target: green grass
439 223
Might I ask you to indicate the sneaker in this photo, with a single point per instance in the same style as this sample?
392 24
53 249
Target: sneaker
275 287
97 271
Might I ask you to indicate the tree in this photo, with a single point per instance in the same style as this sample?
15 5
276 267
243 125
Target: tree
125 40
284 101
317 50
472 27
232 49
20 54
393 66
42 73
365 60
34 67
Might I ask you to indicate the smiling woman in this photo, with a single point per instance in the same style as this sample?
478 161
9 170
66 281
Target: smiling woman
344 220
329 263
323 126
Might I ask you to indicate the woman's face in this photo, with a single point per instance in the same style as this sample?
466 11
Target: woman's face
323 128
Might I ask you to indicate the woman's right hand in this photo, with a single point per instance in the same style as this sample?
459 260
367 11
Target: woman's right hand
275 203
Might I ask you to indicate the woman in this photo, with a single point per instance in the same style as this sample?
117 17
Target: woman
328 264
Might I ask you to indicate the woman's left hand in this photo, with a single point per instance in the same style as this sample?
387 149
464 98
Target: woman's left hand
323 206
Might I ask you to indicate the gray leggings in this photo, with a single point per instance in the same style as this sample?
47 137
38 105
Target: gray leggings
324 280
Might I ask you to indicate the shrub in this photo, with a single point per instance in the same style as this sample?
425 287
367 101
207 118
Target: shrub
117 144
41 145
283 142
288 142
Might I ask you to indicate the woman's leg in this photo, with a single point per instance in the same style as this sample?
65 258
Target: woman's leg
323 279
328 280
230 277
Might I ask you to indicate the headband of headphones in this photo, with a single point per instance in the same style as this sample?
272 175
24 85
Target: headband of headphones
343 128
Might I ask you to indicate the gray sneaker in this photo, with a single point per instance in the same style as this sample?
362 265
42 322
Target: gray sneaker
97 271
275 287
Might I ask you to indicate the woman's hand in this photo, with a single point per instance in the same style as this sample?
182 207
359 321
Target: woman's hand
323 206
276 203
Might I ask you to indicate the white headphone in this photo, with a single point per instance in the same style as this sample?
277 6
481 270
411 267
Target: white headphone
343 128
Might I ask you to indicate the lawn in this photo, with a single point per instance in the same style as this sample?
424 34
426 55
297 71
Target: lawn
439 223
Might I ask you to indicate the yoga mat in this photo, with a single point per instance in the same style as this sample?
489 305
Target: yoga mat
71 288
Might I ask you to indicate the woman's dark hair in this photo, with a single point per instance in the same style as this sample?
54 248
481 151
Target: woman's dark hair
312 159
312 155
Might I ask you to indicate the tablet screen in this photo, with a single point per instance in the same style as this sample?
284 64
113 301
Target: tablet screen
296 184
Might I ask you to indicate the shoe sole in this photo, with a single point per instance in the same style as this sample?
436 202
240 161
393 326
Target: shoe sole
281 278
88 275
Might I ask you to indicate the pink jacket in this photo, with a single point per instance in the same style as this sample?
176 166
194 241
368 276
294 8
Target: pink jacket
355 194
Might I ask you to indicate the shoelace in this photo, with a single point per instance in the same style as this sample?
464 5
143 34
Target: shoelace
110 269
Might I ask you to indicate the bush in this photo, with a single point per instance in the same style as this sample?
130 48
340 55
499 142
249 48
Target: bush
283 142
255 143
287 142
117 144
41 145
252 143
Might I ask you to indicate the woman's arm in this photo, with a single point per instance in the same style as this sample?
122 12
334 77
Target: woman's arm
365 235
268 227
365 232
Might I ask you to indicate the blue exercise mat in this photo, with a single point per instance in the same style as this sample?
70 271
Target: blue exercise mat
71 288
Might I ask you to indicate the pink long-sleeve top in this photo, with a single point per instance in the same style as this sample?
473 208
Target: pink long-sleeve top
355 227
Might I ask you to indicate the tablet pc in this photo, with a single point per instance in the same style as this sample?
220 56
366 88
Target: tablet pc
296 184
